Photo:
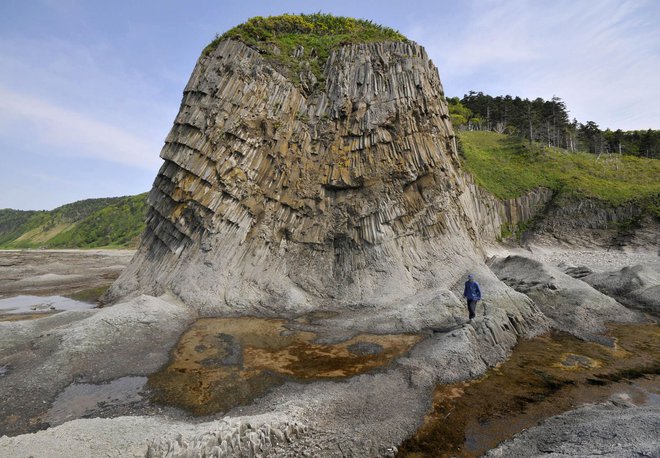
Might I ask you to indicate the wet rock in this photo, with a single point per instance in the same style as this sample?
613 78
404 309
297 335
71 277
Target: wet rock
365 348
600 430
229 352
93 346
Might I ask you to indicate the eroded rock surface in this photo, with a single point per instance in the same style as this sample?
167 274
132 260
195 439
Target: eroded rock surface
636 286
572 304
45 356
614 429
271 198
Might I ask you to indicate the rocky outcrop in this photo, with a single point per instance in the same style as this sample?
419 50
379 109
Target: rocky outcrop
636 286
572 305
614 429
588 221
493 215
274 198
42 357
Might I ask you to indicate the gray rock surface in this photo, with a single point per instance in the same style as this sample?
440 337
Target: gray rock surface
44 356
612 430
636 286
273 199
58 272
572 304
581 221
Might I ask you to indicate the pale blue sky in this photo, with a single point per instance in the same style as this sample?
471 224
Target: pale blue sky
89 88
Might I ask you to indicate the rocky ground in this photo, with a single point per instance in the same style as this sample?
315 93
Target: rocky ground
365 415
617 428
59 272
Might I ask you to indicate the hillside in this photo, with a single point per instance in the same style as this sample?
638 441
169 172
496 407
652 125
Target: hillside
508 167
92 223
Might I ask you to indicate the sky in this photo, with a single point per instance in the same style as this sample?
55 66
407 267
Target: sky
89 88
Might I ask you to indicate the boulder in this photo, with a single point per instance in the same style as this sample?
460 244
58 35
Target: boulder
636 286
571 304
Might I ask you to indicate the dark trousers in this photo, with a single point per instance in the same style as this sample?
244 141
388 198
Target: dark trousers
472 307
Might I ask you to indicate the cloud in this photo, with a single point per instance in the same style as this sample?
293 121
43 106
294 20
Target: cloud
72 133
601 57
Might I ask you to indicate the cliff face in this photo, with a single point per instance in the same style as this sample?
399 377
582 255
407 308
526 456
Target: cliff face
274 194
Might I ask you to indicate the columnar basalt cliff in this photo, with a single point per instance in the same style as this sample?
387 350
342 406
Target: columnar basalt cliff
274 194
298 180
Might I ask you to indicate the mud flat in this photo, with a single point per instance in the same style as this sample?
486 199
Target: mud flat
78 274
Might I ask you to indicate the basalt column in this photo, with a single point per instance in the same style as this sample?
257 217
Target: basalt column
280 193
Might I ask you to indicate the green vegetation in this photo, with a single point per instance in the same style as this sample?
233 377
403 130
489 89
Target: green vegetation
278 38
92 223
547 122
509 167
12 222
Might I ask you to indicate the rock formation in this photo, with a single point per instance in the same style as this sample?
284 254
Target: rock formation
636 286
572 305
617 429
276 197
282 193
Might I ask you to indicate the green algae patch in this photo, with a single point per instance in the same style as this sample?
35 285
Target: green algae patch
544 377
221 363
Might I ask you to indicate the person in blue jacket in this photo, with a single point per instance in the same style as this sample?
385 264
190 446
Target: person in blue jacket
472 293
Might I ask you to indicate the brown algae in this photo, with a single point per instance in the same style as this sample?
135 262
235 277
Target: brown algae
545 376
221 363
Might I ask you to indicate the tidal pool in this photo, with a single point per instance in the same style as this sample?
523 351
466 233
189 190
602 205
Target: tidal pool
221 363
31 307
80 400
545 376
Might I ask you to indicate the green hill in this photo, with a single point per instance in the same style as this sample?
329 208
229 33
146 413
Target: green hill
108 222
508 167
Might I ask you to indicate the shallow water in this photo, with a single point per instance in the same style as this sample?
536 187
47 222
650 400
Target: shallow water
34 306
80 400
545 376
221 363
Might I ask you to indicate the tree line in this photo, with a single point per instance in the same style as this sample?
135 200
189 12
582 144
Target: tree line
547 122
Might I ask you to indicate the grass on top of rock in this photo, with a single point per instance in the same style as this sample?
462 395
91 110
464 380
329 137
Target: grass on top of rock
508 167
278 37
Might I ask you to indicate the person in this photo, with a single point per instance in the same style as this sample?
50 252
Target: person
472 293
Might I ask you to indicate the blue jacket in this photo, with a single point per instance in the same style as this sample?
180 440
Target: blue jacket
472 291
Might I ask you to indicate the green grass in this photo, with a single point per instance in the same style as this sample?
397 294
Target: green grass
115 222
509 167
277 37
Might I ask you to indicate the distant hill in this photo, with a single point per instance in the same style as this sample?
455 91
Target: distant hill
114 222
